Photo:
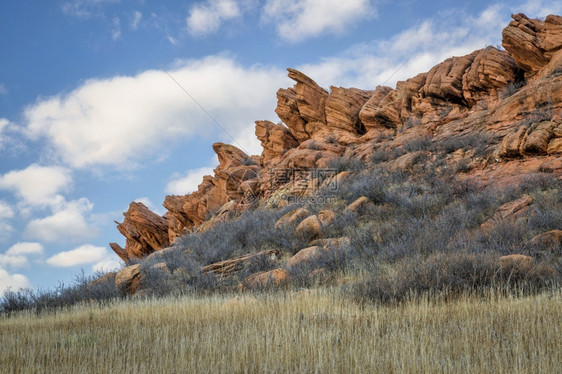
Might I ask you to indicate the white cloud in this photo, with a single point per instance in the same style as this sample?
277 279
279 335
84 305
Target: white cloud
108 264
107 122
137 18
12 281
3 89
25 248
297 20
16 255
13 261
37 185
412 51
182 185
116 31
206 18
85 254
67 223
6 211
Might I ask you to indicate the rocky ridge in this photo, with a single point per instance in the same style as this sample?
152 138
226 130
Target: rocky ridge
506 101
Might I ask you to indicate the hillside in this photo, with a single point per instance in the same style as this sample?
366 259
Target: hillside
489 118
451 181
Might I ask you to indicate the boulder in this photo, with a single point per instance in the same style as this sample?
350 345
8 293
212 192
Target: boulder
360 206
294 217
307 257
266 280
107 278
549 239
326 217
310 228
127 280
320 254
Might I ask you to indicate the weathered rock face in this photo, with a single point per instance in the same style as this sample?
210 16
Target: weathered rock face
302 104
275 140
343 106
532 42
511 100
145 231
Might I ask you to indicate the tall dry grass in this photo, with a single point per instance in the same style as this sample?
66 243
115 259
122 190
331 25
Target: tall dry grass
293 332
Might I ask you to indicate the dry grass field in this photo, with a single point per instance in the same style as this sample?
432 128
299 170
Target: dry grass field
311 331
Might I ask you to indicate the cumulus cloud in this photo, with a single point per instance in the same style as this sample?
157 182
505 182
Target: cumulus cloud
297 20
16 255
67 223
108 122
37 185
85 254
25 248
412 51
184 184
12 281
13 261
3 89
207 17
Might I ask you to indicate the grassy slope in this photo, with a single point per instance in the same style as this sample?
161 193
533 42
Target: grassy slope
307 331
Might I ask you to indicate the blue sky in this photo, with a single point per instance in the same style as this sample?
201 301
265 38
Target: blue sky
92 116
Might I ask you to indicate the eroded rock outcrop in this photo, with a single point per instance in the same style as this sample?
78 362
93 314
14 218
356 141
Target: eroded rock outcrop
510 99
145 231
533 42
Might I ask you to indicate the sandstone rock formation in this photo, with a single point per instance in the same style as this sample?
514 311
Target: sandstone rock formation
506 102
145 231
532 42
